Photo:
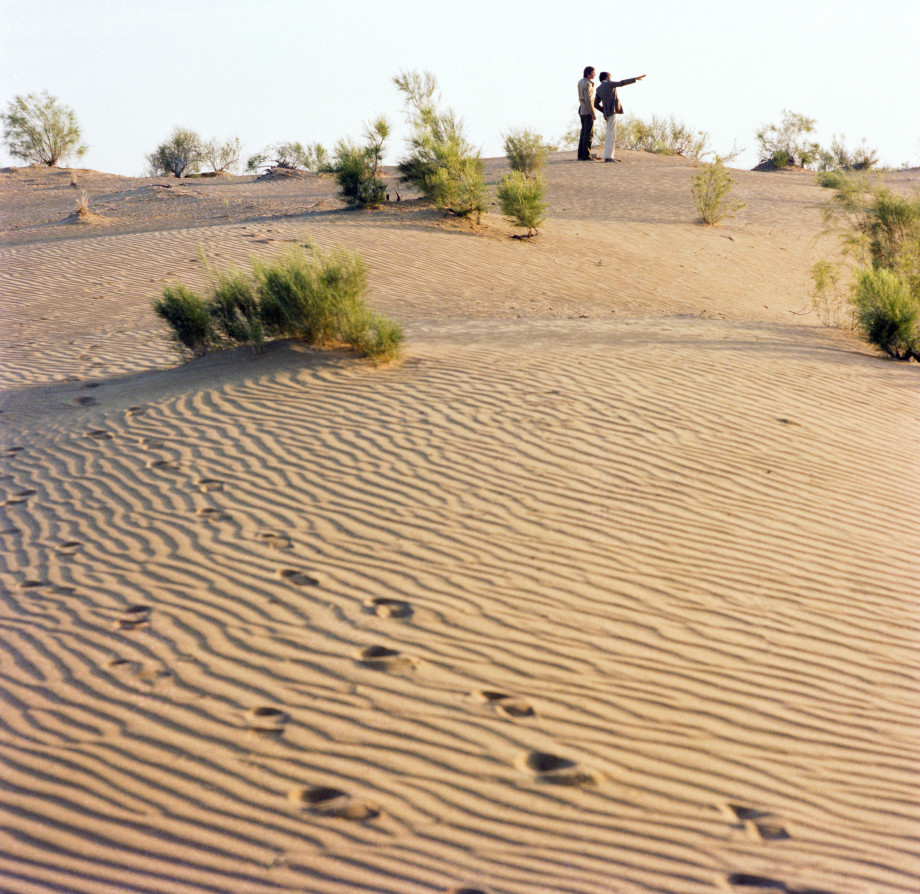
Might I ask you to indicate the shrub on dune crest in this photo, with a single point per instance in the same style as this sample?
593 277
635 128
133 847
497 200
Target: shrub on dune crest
712 192
39 131
526 151
522 200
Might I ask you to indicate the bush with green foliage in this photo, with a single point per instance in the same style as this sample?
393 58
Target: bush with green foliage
712 192
180 155
786 143
526 150
663 136
187 315
39 131
307 294
442 164
839 158
291 156
887 314
827 294
222 155
357 168
522 200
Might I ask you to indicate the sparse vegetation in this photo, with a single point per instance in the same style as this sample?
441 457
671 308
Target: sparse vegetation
442 164
828 299
292 156
222 155
839 158
712 192
357 167
39 131
522 200
180 155
881 230
663 136
307 294
526 150
187 315
787 143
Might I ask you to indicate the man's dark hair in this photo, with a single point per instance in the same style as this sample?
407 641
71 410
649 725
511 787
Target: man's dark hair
589 70
605 75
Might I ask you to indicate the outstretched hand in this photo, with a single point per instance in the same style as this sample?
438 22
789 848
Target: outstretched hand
640 77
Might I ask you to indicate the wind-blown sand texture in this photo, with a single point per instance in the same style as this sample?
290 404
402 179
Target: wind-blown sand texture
610 586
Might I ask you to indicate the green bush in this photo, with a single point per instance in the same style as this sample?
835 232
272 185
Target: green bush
526 151
786 144
188 317
442 164
663 136
712 192
522 200
887 314
357 167
839 158
827 296
222 155
830 179
180 155
39 131
293 156
234 309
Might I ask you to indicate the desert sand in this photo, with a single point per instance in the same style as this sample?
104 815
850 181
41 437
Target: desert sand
609 586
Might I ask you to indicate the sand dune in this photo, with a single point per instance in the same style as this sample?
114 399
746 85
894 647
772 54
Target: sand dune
608 587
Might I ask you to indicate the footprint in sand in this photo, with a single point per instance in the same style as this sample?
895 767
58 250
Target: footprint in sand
18 497
297 578
465 890
266 720
151 443
133 616
86 401
504 704
328 801
69 547
209 513
759 825
388 608
275 539
99 434
385 659
163 465
12 451
207 485
555 770
136 411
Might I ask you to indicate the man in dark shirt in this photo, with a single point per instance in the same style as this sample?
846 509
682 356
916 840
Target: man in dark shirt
607 103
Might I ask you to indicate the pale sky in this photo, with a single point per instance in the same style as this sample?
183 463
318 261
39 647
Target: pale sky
301 70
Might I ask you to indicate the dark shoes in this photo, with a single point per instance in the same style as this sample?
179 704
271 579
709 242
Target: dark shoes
613 159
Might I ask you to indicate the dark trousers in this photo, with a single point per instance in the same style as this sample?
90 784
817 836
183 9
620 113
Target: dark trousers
587 133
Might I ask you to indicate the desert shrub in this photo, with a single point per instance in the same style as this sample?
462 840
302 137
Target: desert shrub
827 294
839 158
222 155
712 192
293 156
234 309
180 155
39 131
522 200
663 136
188 318
832 179
357 167
526 150
786 143
319 297
887 314
442 164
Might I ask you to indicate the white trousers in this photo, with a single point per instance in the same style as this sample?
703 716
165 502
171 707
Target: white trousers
611 144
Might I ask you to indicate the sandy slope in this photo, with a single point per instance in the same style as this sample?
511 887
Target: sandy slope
609 586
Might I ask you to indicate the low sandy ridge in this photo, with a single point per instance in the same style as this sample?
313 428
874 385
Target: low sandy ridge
609 586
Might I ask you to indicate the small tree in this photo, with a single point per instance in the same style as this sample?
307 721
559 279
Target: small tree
441 162
526 150
357 167
222 155
39 131
522 200
712 192
786 144
180 155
